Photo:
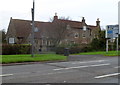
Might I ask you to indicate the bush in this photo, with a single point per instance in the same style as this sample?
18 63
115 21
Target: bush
98 45
59 50
87 49
73 50
15 49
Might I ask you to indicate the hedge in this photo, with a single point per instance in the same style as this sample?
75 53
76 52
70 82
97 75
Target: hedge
8 49
73 50
60 50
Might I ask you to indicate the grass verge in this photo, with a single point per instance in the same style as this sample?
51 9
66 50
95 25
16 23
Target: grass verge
27 58
110 53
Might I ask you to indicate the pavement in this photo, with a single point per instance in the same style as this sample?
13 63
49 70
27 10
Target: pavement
77 69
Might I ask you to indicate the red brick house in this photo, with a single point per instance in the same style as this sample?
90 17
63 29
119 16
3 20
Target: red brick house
20 31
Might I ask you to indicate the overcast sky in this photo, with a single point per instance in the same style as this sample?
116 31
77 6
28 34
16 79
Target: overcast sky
106 10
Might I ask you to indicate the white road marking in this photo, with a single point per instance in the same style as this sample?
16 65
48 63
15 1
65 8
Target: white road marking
64 81
90 61
108 75
82 66
60 62
77 62
6 75
117 67
58 72
55 73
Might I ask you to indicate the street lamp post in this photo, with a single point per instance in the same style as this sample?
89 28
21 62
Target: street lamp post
33 26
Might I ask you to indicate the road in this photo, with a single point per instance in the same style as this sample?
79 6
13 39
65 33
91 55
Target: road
78 69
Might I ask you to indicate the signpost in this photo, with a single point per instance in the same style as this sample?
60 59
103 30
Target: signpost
112 32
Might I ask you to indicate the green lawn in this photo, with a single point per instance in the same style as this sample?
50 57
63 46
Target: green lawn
110 53
28 58
47 57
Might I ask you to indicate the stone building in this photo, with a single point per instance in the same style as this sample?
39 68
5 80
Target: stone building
19 32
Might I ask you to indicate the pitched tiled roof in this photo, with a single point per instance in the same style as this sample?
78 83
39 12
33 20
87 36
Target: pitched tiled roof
23 27
74 24
92 26
77 24
42 27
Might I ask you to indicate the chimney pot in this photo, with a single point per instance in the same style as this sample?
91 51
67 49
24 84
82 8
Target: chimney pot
83 19
55 17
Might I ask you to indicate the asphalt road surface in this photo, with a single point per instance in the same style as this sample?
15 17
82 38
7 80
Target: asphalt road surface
78 69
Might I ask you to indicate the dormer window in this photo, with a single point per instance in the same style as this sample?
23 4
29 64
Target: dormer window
84 28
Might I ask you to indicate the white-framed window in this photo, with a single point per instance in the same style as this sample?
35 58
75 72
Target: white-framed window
44 42
83 35
76 35
11 40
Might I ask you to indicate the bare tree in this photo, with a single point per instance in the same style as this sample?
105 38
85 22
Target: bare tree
58 31
2 36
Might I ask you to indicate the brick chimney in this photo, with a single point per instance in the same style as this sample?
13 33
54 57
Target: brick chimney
97 22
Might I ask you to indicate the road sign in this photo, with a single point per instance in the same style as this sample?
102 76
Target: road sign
112 31
116 31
